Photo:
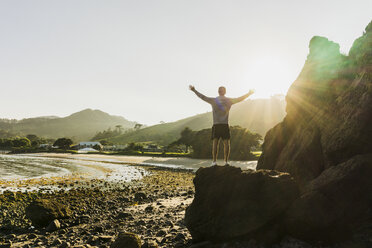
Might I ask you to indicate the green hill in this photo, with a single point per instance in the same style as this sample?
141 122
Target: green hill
257 115
79 126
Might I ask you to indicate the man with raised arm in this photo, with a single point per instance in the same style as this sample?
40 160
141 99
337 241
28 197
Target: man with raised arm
221 106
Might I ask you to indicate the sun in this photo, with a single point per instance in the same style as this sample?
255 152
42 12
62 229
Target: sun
269 76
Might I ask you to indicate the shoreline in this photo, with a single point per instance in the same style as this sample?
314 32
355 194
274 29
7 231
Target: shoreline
166 162
96 206
96 166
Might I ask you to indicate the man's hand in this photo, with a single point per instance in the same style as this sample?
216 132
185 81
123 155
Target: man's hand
192 88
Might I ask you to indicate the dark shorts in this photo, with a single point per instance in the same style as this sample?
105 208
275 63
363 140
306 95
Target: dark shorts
221 131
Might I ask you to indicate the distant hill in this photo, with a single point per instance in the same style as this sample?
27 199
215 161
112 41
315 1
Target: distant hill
257 115
80 126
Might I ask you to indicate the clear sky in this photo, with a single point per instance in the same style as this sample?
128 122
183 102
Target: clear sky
136 58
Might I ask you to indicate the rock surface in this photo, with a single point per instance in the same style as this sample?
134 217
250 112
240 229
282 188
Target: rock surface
231 203
101 209
127 240
53 226
43 211
335 203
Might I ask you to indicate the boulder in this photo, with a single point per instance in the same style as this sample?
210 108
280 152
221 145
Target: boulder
126 240
231 203
140 196
42 212
335 203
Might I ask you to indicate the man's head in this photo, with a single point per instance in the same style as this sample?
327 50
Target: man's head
221 91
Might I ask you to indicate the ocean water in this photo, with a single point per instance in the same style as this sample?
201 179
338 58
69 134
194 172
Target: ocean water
22 167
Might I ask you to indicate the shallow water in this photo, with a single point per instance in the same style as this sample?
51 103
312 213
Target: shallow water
28 167
24 171
165 162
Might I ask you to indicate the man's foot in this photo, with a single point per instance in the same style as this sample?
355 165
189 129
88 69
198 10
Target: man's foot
214 163
227 164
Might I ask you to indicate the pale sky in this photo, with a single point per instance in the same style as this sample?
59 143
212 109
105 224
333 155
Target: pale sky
137 58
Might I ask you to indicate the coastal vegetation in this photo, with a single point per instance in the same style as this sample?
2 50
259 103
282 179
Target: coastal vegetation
242 143
30 140
194 144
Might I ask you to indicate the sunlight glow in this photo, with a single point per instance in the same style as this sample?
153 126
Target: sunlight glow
270 75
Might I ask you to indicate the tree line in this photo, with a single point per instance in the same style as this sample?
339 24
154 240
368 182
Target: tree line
242 143
196 144
30 140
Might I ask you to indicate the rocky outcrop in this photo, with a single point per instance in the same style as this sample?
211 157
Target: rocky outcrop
324 143
231 203
329 112
43 212
335 203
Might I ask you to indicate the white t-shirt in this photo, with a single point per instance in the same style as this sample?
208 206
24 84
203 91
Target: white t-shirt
220 106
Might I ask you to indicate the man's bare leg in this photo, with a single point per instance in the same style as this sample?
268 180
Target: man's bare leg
215 149
226 150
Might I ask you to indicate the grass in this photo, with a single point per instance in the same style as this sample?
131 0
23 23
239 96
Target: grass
257 153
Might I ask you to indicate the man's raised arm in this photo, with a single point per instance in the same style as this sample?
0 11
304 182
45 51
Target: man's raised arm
200 95
242 98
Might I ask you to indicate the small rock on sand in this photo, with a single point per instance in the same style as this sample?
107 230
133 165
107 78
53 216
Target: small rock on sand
126 240
53 226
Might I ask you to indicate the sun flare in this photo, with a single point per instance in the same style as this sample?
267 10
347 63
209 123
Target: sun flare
270 76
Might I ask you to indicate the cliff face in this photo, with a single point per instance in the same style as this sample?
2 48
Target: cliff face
329 112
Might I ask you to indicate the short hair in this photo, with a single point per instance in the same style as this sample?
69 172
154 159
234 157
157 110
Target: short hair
223 89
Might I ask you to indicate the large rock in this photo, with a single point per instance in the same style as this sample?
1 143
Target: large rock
42 212
231 203
324 141
335 203
329 112
297 151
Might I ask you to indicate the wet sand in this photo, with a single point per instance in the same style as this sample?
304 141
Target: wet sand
171 162
98 209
